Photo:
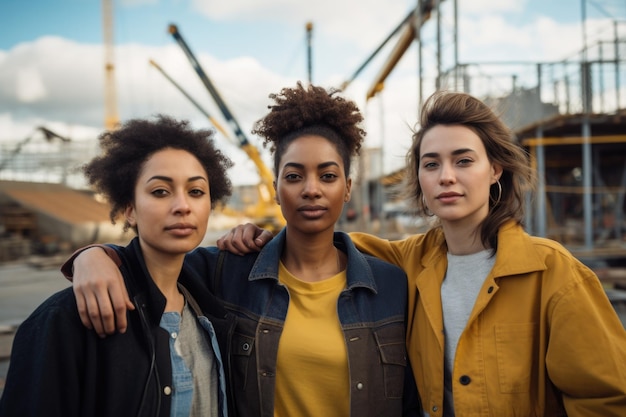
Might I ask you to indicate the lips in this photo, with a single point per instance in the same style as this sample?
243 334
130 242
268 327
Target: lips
312 211
180 226
449 197
181 229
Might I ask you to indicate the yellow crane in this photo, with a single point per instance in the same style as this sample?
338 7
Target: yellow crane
408 30
266 212
111 117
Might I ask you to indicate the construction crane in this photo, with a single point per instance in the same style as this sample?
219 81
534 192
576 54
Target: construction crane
266 212
408 30
197 105
111 118
309 48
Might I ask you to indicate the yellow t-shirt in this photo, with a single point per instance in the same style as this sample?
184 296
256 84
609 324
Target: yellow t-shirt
312 376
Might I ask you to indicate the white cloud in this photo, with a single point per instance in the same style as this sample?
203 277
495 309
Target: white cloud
60 86
483 7
29 86
361 22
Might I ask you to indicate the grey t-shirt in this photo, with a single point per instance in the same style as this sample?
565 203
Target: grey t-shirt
460 287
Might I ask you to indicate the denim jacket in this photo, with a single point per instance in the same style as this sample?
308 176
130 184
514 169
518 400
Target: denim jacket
372 311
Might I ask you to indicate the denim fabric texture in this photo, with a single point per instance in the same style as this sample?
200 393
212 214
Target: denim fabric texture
372 311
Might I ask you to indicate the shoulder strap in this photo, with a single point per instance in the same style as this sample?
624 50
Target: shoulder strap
192 301
216 279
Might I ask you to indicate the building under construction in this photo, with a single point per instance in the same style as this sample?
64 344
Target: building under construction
569 114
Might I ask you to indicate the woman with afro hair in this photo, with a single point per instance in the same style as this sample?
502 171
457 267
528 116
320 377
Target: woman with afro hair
320 326
163 178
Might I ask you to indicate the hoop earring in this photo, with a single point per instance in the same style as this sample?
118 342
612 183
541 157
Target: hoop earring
496 201
425 208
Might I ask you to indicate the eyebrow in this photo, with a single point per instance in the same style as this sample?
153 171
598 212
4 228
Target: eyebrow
168 179
455 152
301 166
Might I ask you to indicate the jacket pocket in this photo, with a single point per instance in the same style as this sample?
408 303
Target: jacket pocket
514 350
241 350
391 345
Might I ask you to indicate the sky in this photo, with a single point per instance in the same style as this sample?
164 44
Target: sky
52 58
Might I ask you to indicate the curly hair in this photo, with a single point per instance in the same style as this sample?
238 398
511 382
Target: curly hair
450 108
311 111
115 172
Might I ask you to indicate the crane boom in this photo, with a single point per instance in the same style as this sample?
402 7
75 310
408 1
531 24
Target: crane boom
407 35
407 31
267 212
243 140
197 105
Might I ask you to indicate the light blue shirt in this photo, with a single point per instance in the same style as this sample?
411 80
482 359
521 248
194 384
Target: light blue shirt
191 395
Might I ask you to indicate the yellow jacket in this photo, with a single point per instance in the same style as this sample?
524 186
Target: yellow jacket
542 340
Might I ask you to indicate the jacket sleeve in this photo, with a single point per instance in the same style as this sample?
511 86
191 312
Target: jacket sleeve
67 269
586 354
45 370
375 246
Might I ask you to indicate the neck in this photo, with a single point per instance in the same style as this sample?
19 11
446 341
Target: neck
312 259
463 239
165 271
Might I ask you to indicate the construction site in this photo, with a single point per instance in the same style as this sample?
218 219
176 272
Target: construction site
569 114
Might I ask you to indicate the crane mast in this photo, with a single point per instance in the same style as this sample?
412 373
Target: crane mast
111 118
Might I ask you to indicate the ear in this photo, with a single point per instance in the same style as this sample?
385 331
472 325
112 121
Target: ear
130 215
496 172
275 193
346 197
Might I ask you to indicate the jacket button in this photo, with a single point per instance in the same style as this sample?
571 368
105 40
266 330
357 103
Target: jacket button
167 390
245 347
489 290
359 386
435 408
465 380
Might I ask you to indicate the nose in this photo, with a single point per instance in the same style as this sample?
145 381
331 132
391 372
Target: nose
447 175
311 188
181 204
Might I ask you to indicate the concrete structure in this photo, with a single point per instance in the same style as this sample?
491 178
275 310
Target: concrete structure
53 214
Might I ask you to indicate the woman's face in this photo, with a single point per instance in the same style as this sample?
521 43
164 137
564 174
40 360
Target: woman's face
172 203
311 186
455 174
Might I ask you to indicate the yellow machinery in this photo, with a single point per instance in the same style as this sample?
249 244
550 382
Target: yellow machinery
111 118
266 212
409 31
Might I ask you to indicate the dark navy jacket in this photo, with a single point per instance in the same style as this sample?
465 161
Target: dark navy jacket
59 368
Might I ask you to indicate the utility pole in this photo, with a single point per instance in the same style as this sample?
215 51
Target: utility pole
309 48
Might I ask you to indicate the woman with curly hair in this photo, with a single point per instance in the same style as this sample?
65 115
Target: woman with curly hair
163 178
320 327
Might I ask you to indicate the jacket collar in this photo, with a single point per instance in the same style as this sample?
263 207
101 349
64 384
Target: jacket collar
515 255
141 288
359 273
516 252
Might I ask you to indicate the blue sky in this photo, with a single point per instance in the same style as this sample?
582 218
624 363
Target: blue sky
51 57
